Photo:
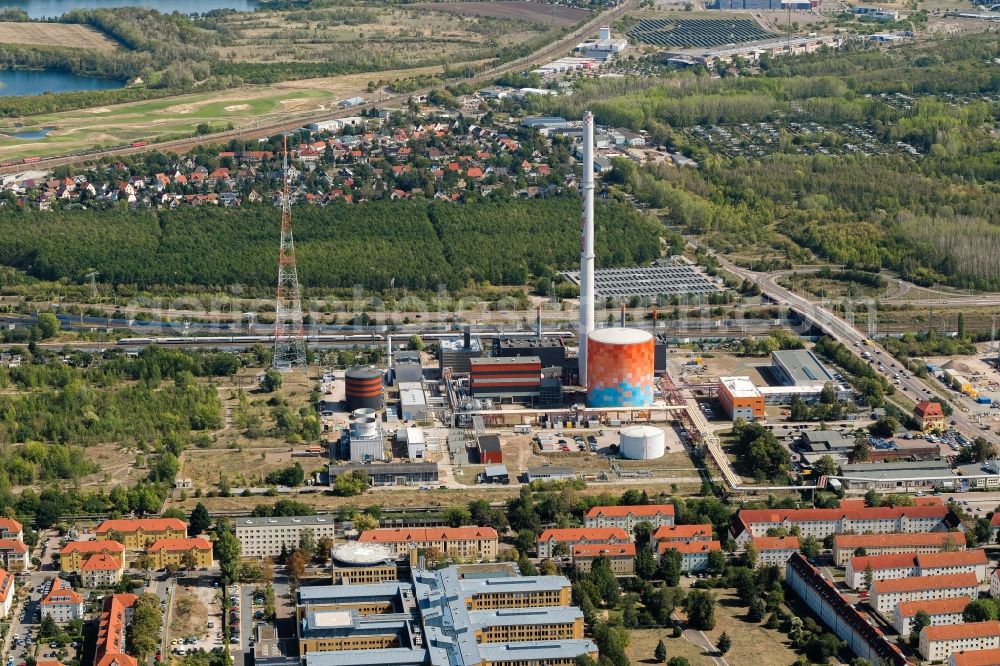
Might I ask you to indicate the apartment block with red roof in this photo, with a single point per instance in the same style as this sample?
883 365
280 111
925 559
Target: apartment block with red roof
937 643
465 542
115 616
627 517
102 570
193 553
141 533
75 554
570 537
621 556
903 565
938 564
942 612
846 546
995 584
62 603
886 594
775 551
14 555
680 533
995 525
975 658
6 592
821 523
694 554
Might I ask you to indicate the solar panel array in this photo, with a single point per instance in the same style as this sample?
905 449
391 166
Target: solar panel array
697 32
649 281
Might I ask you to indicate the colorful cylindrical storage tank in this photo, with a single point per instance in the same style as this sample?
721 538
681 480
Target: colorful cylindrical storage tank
620 368
642 442
363 387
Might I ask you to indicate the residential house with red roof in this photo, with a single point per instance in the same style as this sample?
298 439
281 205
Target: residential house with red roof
621 556
115 617
140 533
846 546
465 542
975 658
627 517
6 592
821 523
942 612
62 603
929 415
192 553
903 565
102 570
572 536
886 594
694 554
775 551
938 643
75 554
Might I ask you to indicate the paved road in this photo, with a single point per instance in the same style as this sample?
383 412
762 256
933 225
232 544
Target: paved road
701 640
909 385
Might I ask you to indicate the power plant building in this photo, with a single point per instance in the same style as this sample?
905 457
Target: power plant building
620 368
365 438
457 352
505 377
550 351
363 387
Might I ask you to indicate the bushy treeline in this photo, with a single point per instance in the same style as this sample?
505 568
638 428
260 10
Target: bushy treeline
417 244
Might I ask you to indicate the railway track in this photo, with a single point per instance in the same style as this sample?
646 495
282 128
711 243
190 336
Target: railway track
292 123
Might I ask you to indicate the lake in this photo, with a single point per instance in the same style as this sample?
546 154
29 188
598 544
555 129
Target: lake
32 135
17 82
50 8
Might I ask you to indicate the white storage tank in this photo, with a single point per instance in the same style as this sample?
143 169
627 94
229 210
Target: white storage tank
642 442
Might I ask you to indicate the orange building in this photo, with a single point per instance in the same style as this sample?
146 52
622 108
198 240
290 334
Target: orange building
741 399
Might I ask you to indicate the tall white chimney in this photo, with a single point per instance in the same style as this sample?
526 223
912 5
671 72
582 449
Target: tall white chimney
587 245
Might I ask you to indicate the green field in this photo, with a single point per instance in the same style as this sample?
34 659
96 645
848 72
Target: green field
173 117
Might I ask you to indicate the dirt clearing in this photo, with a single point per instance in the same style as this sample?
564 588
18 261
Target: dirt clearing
54 34
520 11
190 614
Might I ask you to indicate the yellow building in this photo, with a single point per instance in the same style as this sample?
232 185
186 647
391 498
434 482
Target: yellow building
75 554
141 533
194 553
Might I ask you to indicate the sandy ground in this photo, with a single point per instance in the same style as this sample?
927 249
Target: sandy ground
54 34
523 11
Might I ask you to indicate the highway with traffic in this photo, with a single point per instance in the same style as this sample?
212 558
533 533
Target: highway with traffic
842 331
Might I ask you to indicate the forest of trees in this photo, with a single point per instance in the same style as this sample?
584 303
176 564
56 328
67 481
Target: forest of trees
932 217
416 243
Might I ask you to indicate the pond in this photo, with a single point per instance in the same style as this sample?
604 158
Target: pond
31 134
35 82
50 8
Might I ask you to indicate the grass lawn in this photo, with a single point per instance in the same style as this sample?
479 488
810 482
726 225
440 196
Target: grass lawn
752 643
247 108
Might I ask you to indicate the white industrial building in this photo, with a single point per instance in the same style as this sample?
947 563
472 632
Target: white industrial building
413 438
365 437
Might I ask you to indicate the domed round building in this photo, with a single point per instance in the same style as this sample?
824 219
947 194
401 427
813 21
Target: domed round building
362 563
